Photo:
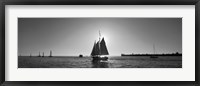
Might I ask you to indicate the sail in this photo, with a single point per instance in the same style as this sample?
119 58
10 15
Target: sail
103 48
98 48
94 49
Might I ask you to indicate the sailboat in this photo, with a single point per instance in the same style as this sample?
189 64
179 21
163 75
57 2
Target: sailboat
99 49
154 55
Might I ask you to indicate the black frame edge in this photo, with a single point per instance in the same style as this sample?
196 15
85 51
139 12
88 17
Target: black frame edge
2 42
102 2
99 2
197 41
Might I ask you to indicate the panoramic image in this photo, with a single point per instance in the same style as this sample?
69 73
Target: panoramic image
100 42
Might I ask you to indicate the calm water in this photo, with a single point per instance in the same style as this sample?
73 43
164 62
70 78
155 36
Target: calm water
113 62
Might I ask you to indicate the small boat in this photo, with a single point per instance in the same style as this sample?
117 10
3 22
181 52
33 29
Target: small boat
154 55
100 50
80 55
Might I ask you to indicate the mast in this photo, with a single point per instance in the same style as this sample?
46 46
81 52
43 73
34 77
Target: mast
99 42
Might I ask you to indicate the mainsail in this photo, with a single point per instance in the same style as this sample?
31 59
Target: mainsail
94 52
103 47
99 48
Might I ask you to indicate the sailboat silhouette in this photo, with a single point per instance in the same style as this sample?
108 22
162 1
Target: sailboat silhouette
99 49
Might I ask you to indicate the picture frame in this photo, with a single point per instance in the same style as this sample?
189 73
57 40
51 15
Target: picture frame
99 2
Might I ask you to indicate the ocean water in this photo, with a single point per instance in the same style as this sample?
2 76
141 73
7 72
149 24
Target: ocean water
113 62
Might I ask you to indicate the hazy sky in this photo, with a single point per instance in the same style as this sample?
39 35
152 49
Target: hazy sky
74 36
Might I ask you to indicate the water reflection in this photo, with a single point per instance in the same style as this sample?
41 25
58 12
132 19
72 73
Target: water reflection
99 64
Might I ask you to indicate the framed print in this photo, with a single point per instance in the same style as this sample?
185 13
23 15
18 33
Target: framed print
100 42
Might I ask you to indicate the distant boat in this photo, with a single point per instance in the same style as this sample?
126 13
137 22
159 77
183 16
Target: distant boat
80 55
99 49
154 55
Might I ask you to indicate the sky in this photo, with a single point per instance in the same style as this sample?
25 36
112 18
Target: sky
74 36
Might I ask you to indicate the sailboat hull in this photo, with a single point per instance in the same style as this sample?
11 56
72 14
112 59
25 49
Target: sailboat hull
105 58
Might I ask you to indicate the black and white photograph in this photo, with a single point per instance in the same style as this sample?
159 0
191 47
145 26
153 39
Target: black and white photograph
100 42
